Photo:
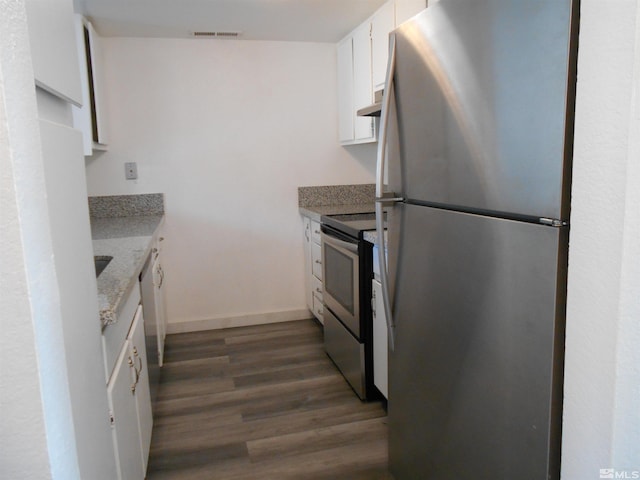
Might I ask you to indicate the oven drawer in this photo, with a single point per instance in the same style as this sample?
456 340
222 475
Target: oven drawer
346 352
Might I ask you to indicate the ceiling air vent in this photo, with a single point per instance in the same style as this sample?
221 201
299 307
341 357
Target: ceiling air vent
216 34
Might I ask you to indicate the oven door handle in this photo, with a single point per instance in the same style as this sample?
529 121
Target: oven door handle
351 247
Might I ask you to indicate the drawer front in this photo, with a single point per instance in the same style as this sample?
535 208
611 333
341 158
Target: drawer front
114 335
315 232
346 352
316 287
318 309
316 260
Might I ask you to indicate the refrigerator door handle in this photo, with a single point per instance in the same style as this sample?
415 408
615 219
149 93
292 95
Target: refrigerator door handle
384 119
385 198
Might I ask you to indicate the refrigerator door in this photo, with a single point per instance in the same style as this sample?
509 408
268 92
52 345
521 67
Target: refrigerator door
481 93
476 376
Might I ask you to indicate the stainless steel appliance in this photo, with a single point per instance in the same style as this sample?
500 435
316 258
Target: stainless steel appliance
347 270
477 123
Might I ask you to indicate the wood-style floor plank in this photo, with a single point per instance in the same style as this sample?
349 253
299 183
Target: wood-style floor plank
262 402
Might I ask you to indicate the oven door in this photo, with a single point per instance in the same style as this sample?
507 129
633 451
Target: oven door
340 274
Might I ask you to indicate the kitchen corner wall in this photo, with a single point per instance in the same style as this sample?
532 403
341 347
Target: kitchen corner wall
227 130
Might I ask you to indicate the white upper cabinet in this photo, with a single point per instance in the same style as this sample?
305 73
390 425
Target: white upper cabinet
382 23
362 82
405 9
362 67
53 52
346 110
355 89
91 117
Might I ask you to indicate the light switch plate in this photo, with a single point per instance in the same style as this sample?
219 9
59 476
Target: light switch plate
131 170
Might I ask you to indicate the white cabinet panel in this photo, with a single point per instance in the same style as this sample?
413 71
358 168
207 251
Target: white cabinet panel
362 83
160 310
142 393
318 309
382 23
126 433
316 257
316 287
307 261
345 90
313 267
53 48
114 335
130 396
91 117
315 232
380 370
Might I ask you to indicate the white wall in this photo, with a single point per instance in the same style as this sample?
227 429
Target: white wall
54 398
227 130
602 373
36 438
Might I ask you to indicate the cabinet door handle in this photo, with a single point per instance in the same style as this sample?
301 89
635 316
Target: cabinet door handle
138 369
133 385
318 289
318 262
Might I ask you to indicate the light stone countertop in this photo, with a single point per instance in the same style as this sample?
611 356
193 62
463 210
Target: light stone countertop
128 240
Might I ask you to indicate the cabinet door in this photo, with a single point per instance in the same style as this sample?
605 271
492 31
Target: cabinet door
137 352
316 257
380 375
318 309
100 134
90 118
158 299
126 433
363 88
382 24
306 242
345 90
53 48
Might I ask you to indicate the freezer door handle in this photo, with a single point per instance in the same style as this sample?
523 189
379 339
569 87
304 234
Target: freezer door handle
385 198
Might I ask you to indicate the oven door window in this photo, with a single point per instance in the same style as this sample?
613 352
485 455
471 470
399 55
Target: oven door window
339 279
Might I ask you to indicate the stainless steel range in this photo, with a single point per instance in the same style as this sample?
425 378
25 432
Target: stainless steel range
347 262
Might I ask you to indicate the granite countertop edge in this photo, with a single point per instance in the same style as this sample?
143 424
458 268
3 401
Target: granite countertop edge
129 241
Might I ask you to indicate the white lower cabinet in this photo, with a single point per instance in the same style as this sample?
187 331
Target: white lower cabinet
313 267
380 348
130 404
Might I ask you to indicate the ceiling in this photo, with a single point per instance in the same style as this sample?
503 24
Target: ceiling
284 20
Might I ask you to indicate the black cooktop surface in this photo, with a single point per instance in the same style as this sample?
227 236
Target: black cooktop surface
353 224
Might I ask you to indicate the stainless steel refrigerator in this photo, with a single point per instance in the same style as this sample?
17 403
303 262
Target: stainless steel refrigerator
476 135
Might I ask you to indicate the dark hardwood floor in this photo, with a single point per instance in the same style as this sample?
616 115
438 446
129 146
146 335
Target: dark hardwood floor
262 402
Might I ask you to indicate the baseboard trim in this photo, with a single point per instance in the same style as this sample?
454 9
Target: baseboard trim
238 321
